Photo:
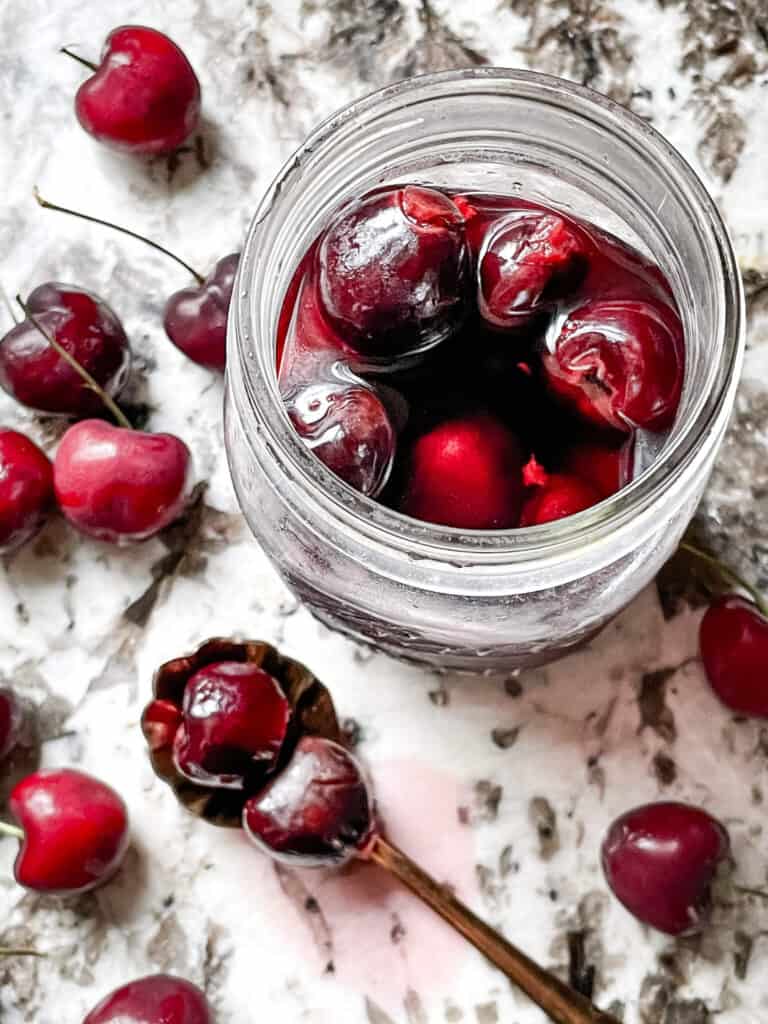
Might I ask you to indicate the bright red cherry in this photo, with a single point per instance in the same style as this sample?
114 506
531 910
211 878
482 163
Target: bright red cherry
235 720
195 318
75 831
605 464
733 638
34 373
393 271
555 496
619 363
466 473
144 97
26 489
349 429
528 261
156 999
120 485
318 809
11 718
660 861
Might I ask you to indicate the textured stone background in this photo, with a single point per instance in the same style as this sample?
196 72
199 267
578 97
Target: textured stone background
502 787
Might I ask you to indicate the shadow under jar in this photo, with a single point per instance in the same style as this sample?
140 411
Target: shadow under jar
480 600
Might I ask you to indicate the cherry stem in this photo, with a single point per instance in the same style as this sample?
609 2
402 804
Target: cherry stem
10 951
118 227
13 831
79 59
727 573
559 1001
90 382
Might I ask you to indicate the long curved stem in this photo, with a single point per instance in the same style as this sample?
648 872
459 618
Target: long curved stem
13 831
90 382
559 1001
118 227
727 573
78 58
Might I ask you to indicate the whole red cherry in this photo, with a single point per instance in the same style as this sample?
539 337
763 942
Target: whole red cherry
156 999
234 720
11 718
26 489
529 260
466 473
660 861
195 318
34 373
733 639
393 270
318 810
618 363
75 831
604 463
144 97
120 485
558 496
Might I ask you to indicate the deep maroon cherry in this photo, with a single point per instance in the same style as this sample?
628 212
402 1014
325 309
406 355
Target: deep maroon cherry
11 718
26 489
75 831
466 473
393 271
529 260
619 363
120 485
317 810
733 638
144 97
39 377
661 859
195 318
235 720
156 999
604 463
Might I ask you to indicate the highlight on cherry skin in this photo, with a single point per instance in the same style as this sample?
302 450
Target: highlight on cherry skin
413 293
26 490
661 860
317 811
155 999
36 375
143 97
73 831
233 724
118 484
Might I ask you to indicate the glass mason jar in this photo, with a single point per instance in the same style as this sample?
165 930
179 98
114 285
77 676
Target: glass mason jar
480 600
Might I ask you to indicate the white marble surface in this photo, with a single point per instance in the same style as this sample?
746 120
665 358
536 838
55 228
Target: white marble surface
505 793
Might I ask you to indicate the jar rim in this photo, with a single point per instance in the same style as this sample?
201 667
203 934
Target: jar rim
348 510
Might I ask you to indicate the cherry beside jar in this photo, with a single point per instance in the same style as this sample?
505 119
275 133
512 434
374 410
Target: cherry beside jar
481 599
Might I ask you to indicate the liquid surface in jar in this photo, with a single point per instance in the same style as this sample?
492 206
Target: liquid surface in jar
478 361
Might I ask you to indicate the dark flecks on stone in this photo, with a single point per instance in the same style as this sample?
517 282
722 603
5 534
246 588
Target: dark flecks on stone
512 687
487 799
505 738
507 863
439 698
374 1013
542 816
439 48
487 1013
414 1008
581 974
397 931
292 884
453 1014
664 768
652 704
352 732
742 953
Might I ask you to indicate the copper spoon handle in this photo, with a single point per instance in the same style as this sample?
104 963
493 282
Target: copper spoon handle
559 1001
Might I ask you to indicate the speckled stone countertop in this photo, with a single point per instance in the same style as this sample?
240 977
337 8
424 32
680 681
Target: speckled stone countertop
502 787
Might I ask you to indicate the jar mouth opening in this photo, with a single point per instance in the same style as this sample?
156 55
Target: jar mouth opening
252 343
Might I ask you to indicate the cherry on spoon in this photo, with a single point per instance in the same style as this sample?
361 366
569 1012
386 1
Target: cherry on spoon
195 318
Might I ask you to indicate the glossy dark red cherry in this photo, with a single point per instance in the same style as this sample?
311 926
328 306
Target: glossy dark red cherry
619 363
466 473
36 375
120 485
393 271
606 464
529 260
195 318
733 638
234 720
144 97
660 861
156 999
75 831
557 496
26 489
317 810
349 429
11 718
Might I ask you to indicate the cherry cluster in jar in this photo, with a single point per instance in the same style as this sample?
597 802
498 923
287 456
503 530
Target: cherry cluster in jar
477 361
